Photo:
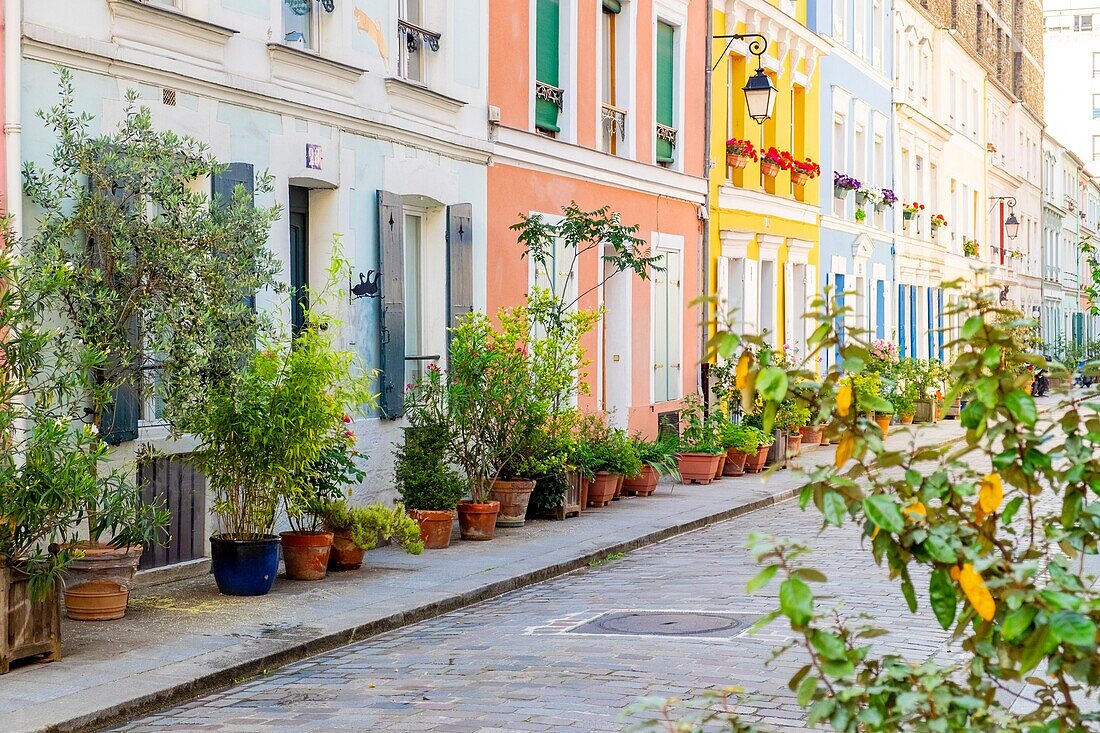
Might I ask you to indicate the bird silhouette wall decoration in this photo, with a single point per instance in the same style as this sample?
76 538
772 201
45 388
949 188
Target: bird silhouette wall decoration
367 286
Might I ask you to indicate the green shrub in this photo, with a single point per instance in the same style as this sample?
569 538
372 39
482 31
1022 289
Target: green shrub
373 523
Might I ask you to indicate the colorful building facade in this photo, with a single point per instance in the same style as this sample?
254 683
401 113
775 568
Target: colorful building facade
601 104
764 230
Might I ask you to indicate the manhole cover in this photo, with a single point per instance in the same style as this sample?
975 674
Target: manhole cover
668 623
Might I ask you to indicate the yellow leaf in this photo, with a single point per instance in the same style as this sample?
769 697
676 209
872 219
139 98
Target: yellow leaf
970 580
991 493
741 376
915 512
844 399
845 450
875 533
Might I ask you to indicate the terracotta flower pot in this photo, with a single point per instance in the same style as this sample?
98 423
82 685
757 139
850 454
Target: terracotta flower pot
97 586
435 527
824 440
769 168
345 554
755 463
799 179
602 489
907 419
721 466
735 463
884 423
476 520
619 479
737 161
811 435
305 554
697 468
643 484
513 497
794 443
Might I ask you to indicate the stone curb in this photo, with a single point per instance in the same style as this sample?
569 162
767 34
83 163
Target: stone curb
241 671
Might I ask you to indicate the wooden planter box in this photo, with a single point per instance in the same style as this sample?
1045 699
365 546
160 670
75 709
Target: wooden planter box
954 410
924 411
572 500
27 628
778 452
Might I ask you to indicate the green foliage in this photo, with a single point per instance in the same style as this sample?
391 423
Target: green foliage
744 438
264 429
324 480
700 432
792 415
1001 550
658 454
423 477
373 523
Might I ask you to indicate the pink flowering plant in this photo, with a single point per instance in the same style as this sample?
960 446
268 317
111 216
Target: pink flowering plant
884 350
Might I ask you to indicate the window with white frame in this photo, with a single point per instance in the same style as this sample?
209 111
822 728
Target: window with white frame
171 4
840 20
412 40
769 288
667 325
859 27
840 158
974 113
300 24
614 63
878 26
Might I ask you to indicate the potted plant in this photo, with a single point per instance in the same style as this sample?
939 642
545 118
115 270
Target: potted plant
904 400
755 463
970 247
741 441
861 216
625 460
889 198
597 455
700 450
910 211
262 433
489 403
774 160
937 221
803 171
872 195
739 153
843 184
791 417
430 489
307 547
658 458
356 529
150 271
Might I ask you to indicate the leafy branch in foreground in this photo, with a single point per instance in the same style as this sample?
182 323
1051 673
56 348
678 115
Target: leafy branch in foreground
998 522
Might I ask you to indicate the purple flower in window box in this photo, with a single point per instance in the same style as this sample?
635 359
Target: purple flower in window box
889 198
842 184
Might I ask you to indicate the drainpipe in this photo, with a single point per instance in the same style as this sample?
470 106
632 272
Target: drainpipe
704 249
13 183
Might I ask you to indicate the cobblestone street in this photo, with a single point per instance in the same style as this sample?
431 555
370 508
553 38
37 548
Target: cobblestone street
512 664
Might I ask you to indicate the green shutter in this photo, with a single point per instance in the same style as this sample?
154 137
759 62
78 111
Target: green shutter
665 35
546 61
612 6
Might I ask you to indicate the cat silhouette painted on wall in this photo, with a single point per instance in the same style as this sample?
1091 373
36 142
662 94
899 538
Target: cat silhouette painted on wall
368 285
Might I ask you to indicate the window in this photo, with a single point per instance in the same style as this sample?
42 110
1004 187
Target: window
666 67
668 308
1096 147
840 20
549 97
414 230
769 287
954 104
840 161
613 116
1082 23
410 64
172 4
300 24
877 26
974 113
1095 63
859 26
1095 106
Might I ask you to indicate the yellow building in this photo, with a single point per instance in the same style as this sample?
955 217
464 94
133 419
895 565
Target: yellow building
763 228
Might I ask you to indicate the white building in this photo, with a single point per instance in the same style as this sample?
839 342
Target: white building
1072 48
370 112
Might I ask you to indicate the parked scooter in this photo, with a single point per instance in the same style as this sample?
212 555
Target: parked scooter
1081 379
1041 385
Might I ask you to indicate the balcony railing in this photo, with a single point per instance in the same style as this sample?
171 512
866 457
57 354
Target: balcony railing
614 121
666 133
550 93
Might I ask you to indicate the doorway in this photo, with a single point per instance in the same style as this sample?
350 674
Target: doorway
299 256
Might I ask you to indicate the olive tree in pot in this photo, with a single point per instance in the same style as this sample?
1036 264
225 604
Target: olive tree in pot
357 529
429 487
263 436
144 278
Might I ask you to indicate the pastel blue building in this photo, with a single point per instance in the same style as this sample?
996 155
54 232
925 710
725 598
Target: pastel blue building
856 87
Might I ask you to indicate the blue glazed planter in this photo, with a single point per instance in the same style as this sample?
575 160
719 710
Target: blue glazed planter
244 567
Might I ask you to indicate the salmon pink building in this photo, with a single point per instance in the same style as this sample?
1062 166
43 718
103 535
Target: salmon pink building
603 103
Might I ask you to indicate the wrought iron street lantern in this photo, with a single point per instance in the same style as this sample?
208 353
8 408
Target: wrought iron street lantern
760 91
1012 226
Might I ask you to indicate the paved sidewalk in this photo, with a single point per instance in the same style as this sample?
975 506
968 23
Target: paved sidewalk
184 638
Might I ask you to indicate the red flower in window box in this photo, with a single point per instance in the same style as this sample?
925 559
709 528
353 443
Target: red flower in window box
803 170
775 160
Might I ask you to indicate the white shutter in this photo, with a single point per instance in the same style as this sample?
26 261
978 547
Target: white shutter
752 296
810 323
790 317
722 289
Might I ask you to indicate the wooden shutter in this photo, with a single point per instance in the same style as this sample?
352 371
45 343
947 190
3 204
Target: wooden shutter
547 28
902 324
222 186
809 324
675 312
391 265
789 306
665 61
752 296
940 323
722 290
460 264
